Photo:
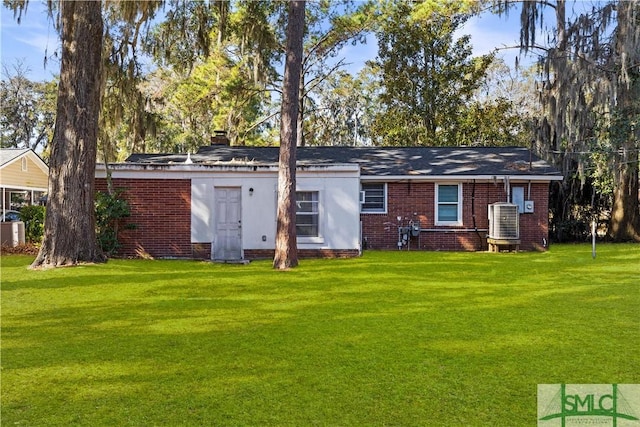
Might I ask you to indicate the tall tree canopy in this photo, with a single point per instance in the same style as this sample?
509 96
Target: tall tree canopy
342 108
502 110
216 69
591 106
427 77
27 110
329 27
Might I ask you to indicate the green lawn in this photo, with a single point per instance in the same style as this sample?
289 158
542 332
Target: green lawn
391 338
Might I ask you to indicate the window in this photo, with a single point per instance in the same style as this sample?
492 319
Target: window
307 217
448 204
375 197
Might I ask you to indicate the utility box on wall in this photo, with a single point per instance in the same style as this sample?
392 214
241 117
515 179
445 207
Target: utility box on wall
528 206
12 233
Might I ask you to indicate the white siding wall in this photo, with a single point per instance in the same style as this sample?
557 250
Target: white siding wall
339 207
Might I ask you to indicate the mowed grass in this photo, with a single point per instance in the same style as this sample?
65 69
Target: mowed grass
391 338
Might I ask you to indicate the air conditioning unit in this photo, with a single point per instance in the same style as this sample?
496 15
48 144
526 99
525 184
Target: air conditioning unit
503 221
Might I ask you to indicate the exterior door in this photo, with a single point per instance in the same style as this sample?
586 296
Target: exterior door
227 243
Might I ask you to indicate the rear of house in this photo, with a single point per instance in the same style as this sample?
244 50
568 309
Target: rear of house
228 211
221 202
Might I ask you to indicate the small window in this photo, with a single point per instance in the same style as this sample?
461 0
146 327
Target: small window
307 214
375 198
448 204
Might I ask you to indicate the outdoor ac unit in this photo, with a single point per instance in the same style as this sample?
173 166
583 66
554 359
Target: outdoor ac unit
503 221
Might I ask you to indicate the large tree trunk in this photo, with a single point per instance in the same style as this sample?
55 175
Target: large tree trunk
286 254
625 219
625 212
69 235
624 224
300 131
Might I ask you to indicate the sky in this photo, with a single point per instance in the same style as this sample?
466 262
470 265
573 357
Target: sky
29 42
34 39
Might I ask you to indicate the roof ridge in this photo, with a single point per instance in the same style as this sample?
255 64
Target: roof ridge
11 154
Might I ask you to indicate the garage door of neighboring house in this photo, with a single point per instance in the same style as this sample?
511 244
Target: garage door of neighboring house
227 243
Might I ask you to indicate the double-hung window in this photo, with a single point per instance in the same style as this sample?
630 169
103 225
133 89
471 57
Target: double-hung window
448 204
374 197
307 214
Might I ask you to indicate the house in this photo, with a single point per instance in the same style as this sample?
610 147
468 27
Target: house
221 202
23 177
23 181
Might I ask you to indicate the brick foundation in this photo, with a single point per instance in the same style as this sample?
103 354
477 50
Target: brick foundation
203 251
303 253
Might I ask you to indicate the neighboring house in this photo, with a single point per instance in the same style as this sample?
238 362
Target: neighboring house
23 178
221 202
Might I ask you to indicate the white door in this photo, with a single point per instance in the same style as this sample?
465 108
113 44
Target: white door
227 243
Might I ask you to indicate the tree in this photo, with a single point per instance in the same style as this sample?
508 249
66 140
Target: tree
70 235
329 26
590 95
625 212
427 77
502 109
286 251
27 110
342 108
125 124
216 64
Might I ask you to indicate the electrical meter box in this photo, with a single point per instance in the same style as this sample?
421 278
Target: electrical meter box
528 206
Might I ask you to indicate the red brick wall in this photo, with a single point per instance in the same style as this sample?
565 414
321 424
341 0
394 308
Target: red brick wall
534 228
415 202
161 214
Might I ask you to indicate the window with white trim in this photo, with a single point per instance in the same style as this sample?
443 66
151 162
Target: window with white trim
307 214
374 197
448 204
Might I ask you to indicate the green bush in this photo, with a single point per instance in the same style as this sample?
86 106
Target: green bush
33 218
110 210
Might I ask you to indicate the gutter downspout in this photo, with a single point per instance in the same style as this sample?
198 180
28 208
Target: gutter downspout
473 214
507 188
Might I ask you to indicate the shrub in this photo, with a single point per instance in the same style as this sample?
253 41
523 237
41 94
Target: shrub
110 210
33 218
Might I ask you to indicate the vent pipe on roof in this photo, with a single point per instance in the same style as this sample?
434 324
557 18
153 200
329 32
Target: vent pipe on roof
219 138
533 141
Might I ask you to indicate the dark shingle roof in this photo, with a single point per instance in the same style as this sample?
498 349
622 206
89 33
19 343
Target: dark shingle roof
378 161
9 154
